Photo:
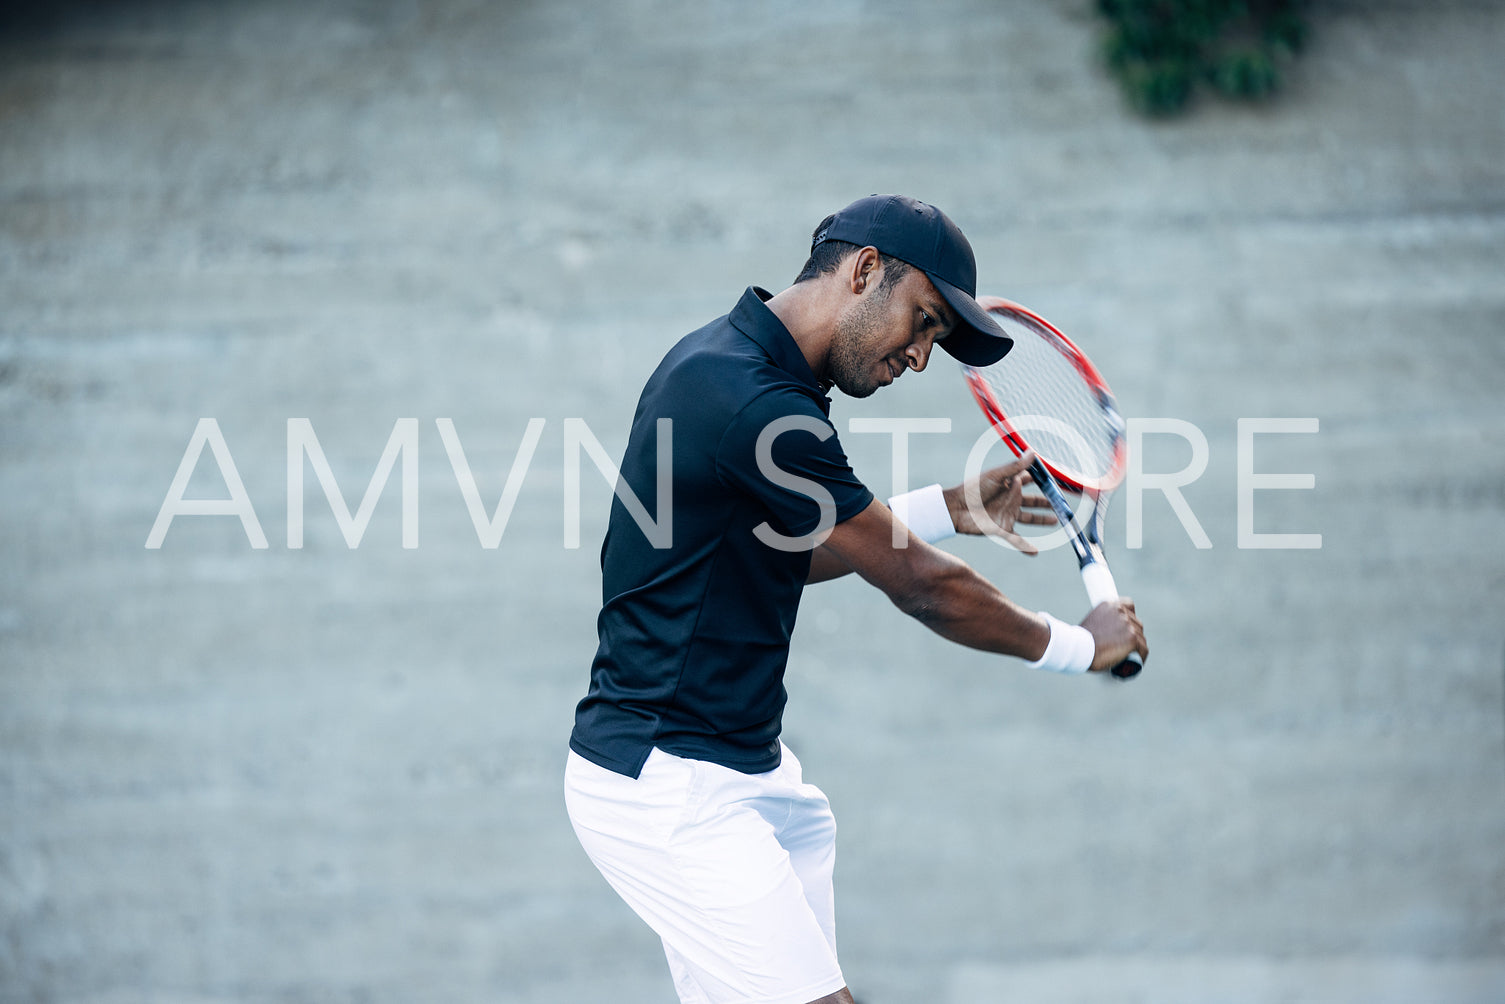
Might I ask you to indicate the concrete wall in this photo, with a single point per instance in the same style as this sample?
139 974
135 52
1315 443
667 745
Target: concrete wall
332 775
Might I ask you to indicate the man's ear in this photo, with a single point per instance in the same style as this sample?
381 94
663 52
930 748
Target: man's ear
864 270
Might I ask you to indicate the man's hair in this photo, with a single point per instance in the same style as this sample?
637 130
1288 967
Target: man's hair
828 255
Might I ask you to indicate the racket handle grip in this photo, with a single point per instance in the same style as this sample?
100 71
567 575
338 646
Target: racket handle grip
1099 582
1100 589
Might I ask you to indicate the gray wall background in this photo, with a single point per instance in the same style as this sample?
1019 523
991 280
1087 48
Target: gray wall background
332 775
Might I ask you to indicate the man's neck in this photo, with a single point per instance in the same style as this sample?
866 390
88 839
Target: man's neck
807 309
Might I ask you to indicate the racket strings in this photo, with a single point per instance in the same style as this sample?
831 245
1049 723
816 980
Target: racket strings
1055 410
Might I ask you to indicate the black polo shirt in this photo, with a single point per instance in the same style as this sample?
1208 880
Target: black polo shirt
694 637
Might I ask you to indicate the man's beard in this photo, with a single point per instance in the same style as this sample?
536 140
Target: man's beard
851 369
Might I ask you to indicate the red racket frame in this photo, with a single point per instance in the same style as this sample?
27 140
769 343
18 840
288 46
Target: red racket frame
1073 481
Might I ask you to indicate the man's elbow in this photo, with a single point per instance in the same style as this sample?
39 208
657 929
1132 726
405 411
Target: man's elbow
924 594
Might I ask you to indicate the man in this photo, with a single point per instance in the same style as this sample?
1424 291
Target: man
678 785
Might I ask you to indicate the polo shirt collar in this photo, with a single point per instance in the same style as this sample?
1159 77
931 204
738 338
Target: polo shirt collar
752 317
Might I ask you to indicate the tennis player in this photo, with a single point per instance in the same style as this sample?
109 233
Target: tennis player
677 784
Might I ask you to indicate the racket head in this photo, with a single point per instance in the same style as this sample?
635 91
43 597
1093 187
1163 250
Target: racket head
1046 395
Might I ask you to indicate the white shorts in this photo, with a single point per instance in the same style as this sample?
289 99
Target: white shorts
731 870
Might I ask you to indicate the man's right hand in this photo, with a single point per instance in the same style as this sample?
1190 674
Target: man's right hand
1116 630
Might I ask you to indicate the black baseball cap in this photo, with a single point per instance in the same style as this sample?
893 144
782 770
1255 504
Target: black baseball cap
921 235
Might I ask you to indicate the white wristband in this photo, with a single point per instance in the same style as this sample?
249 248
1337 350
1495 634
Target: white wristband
1070 650
924 512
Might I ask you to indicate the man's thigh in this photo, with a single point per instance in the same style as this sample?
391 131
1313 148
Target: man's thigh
694 849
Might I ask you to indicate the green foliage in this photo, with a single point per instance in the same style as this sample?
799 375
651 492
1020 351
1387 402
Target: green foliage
1160 50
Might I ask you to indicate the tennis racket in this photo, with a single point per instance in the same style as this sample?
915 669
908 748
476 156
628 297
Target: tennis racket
1046 396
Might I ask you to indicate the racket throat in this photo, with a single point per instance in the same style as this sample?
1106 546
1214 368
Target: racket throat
1064 515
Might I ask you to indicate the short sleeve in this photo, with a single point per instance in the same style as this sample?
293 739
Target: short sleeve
782 450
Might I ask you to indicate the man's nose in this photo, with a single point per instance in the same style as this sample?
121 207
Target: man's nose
917 356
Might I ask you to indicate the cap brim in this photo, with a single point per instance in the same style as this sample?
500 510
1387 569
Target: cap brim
977 339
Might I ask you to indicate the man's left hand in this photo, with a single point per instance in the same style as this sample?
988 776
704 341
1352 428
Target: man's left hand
1003 502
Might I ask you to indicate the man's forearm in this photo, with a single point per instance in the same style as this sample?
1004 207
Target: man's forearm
957 603
940 590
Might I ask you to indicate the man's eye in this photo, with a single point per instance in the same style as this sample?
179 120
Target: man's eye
924 317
